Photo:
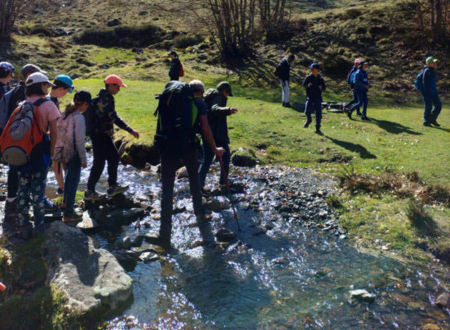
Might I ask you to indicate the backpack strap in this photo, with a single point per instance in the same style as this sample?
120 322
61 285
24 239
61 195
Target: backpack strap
37 104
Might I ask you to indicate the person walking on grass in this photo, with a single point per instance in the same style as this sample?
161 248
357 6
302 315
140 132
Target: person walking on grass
70 150
176 68
350 81
17 96
33 175
314 85
103 116
216 100
283 72
430 93
63 84
362 86
176 145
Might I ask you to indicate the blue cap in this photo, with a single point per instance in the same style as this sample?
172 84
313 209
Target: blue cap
315 65
66 80
7 67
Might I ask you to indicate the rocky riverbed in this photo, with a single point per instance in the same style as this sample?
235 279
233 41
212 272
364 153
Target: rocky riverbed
290 265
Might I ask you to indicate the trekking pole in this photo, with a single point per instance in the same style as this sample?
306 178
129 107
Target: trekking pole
227 186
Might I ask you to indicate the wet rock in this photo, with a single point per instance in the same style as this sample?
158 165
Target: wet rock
443 300
217 204
362 295
225 235
91 278
141 154
88 225
244 157
116 218
259 231
182 173
430 326
148 257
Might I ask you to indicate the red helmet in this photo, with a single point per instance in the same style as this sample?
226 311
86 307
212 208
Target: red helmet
114 79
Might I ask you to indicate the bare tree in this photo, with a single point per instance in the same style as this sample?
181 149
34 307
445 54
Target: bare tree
272 13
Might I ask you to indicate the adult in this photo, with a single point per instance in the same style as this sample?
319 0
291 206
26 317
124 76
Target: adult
103 116
362 86
175 66
6 74
350 77
171 153
218 111
33 176
18 95
430 93
314 85
283 71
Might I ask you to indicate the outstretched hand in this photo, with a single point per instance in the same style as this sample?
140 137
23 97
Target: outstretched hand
135 134
233 110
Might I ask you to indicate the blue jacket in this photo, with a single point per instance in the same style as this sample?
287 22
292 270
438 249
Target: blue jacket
361 80
429 81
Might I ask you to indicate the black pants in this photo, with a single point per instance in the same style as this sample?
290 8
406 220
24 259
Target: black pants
169 163
104 150
314 106
353 101
13 182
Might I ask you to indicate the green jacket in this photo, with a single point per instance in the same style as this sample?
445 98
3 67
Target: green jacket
217 115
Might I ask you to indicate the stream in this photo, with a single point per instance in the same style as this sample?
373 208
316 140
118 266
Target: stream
289 267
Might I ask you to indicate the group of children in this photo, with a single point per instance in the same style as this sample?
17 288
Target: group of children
63 144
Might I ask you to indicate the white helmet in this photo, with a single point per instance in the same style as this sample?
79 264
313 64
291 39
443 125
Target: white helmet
37 78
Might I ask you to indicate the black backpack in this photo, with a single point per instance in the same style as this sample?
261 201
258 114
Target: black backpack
90 118
177 117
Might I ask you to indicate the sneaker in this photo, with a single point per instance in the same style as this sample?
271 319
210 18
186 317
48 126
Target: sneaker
91 195
288 105
71 216
349 114
319 132
60 191
50 207
116 190
427 124
364 118
358 113
307 124
435 123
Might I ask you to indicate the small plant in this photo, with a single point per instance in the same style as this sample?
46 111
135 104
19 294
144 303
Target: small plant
334 202
420 220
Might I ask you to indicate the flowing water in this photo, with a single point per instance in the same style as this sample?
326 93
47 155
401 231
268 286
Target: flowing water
288 268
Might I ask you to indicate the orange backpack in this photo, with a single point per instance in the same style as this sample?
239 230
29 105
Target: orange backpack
22 139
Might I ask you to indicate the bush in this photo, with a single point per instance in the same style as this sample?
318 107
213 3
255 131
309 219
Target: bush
184 41
123 36
419 218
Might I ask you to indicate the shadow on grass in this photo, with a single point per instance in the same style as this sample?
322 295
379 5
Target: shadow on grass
420 220
443 129
353 147
393 127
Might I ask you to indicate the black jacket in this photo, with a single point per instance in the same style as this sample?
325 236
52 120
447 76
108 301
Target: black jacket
217 115
284 69
313 92
17 97
175 69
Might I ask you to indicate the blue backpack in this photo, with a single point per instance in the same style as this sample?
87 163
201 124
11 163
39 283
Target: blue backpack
351 80
418 83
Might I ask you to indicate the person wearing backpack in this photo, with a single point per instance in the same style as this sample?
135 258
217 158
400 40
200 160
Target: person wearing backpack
283 72
104 116
25 144
182 114
430 93
176 68
351 83
314 85
63 84
216 99
361 85
70 150
6 74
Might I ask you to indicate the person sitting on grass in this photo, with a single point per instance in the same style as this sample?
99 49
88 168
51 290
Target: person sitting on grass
430 93
361 85
218 112
63 84
314 85
104 116
70 150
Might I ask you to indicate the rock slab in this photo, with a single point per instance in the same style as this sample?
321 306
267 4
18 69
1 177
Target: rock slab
91 278
362 295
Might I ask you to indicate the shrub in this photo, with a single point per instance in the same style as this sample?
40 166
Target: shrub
419 218
184 41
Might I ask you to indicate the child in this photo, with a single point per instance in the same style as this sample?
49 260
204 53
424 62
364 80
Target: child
63 84
361 87
314 85
70 150
104 116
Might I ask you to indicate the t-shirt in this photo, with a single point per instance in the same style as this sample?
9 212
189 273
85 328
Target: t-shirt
48 112
201 106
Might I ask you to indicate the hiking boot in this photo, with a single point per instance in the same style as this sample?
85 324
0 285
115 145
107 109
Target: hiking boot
319 132
60 191
358 113
91 195
116 190
307 123
349 114
288 105
427 124
50 207
435 123
71 216
364 118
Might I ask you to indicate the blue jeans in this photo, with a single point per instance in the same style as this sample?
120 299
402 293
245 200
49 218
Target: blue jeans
314 106
363 101
433 107
71 182
31 191
208 156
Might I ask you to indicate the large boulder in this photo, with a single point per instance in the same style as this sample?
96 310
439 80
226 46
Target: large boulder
244 157
91 278
139 155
